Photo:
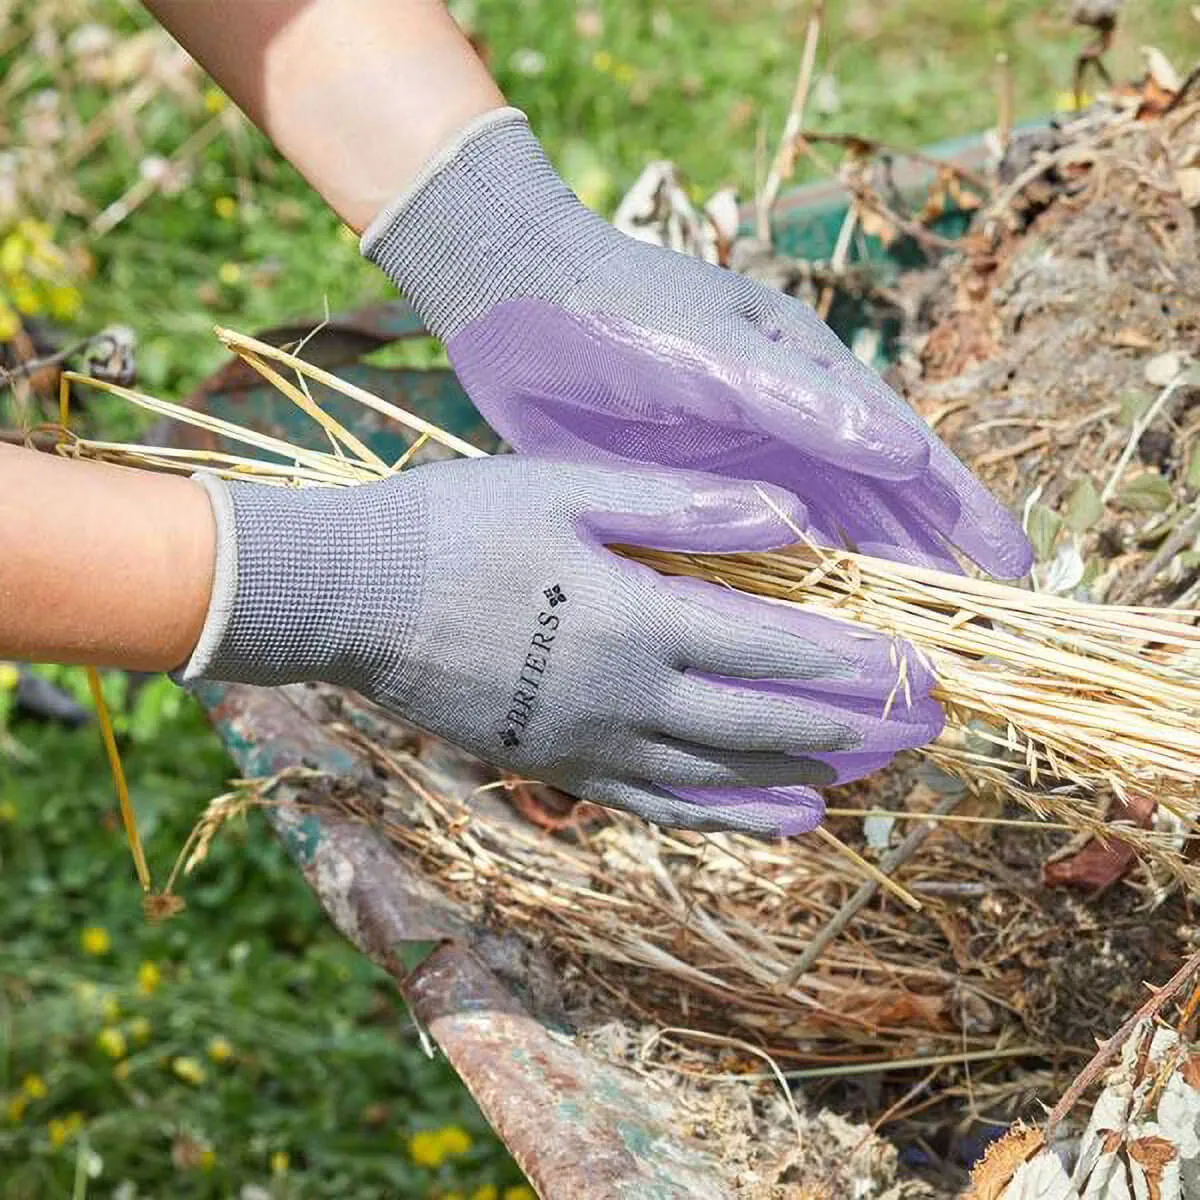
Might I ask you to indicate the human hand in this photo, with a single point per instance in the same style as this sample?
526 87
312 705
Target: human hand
477 600
578 342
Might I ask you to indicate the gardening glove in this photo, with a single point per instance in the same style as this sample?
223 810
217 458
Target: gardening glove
477 600
578 342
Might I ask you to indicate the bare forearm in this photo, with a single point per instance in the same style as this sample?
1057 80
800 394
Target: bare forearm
357 94
101 565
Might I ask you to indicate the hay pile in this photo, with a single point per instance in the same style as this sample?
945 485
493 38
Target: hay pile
1039 355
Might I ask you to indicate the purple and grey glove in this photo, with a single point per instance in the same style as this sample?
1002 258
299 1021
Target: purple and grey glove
578 342
477 599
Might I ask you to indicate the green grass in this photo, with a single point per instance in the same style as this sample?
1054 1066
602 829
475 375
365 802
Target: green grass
324 1066
198 1051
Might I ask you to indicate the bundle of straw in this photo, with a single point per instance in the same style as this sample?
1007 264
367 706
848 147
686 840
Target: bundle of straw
1060 704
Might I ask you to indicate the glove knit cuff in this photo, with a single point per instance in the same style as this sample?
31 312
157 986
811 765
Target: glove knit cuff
311 583
488 220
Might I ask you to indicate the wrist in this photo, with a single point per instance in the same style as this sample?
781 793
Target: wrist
356 100
100 565
487 220
187 557
310 583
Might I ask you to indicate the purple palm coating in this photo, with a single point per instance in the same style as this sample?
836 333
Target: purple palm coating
588 386
874 685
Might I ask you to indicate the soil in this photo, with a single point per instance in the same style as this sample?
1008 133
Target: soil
1033 350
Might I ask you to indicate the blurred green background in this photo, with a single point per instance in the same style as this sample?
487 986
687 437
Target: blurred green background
242 1049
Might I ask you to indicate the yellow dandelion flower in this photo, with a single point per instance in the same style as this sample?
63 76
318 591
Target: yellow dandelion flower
62 1130
425 1148
9 676
64 301
95 940
214 100
519 1191
14 1110
111 1041
148 978
602 61
34 1086
454 1140
8 810
139 1029
10 323
219 1050
487 1191
280 1162
25 297
208 1158
110 1007
624 73
189 1070
12 254
229 273
225 207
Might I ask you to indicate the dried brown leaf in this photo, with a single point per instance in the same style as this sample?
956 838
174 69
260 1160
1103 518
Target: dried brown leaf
991 1175
1152 1154
1190 1070
966 199
1099 864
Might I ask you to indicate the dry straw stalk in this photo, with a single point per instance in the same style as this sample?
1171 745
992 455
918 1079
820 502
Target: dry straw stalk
1060 704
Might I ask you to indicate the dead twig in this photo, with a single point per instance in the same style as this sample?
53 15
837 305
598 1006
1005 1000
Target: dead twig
1189 81
837 263
1135 434
1180 538
1035 441
34 439
870 202
785 157
31 366
1110 1048
1004 103
867 869
890 861
1071 154
1102 17
866 147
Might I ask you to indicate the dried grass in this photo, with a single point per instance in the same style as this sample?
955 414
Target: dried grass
1053 702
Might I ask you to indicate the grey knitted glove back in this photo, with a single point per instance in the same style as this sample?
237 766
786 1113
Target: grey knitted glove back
578 342
475 598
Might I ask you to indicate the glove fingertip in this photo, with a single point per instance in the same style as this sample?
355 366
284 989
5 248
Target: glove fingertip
770 812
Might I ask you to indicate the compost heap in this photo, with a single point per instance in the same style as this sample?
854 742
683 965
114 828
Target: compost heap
1066 324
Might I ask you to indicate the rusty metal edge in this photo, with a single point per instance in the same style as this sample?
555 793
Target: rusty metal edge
577 1126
